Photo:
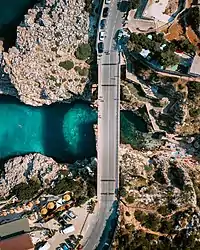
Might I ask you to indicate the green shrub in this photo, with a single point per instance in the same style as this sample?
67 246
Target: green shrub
129 199
81 71
67 65
25 191
83 51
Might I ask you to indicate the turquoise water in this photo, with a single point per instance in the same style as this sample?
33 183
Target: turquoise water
63 131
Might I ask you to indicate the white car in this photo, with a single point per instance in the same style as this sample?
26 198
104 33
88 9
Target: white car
107 1
101 35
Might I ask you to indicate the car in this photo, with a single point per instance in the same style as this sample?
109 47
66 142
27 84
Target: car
64 246
107 1
105 12
59 248
102 23
66 218
73 239
100 47
61 222
72 215
101 35
69 243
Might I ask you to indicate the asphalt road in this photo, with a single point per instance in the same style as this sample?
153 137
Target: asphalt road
108 126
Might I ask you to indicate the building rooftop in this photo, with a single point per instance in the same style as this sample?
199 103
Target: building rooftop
20 242
14 227
195 67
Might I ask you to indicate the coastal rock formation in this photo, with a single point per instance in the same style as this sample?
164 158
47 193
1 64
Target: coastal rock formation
23 168
37 166
48 36
160 200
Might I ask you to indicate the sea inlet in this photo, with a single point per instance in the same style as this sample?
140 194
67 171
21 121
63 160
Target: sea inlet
62 131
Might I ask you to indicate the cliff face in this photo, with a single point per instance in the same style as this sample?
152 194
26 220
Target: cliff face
24 168
49 35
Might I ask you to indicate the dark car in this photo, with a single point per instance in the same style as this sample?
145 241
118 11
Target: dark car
100 47
103 23
105 12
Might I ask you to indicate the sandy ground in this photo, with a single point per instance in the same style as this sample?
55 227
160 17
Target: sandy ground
81 224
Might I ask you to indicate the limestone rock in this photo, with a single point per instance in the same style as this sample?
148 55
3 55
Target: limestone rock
46 37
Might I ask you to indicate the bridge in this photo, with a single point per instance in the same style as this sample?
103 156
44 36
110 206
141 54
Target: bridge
108 127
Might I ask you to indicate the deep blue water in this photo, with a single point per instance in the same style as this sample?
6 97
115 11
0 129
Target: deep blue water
63 131
11 14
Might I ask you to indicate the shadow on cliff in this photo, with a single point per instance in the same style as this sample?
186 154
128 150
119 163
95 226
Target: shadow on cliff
8 29
94 9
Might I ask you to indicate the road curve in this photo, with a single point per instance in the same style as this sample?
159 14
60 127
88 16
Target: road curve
108 127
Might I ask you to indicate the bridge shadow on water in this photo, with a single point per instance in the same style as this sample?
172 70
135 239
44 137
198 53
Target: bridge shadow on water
68 139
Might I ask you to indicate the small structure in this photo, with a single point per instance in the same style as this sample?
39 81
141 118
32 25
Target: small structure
14 236
51 205
195 67
66 197
43 211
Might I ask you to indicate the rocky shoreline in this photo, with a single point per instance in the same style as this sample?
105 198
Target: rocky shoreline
49 35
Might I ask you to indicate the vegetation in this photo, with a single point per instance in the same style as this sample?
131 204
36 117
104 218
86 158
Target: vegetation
129 199
81 71
186 46
134 4
193 18
83 51
194 112
88 6
67 65
82 191
25 191
165 55
193 90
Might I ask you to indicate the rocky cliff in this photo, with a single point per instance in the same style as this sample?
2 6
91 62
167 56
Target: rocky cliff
48 36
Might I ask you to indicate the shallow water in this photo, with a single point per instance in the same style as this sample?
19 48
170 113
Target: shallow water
63 131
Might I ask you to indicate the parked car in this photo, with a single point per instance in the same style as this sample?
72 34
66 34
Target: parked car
62 222
64 246
100 47
73 239
59 248
102 23
107 1
101 35
69 243
68 229
72 215
105 12
66 218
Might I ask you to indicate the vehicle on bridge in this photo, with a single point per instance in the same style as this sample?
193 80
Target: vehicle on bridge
100 47
101 35
105 12
102 23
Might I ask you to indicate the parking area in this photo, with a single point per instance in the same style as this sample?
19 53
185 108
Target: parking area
80 225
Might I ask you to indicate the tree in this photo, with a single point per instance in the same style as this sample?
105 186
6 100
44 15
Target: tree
129 199
67 65
134 4
193 18
168 58
25 191
83 51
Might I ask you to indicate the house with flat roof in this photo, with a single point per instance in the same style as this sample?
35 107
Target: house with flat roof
14 235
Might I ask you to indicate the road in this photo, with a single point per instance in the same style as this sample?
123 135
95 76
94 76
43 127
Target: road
108 127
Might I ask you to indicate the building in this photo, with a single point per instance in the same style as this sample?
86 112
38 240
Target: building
195 67
14 236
